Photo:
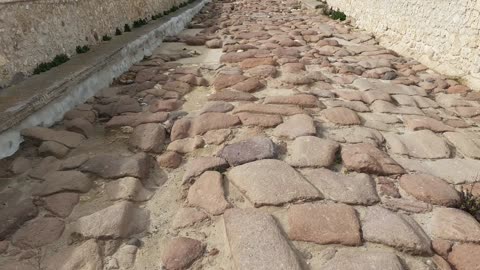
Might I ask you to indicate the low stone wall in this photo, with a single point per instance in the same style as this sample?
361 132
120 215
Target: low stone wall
442 34
34 31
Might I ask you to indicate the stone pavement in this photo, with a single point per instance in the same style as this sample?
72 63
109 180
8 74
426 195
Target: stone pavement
291 142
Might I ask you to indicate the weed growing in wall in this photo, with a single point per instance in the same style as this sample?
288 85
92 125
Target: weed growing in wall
470 203
139 23
82 49
127 28
118 32
58 60
106 38
337 15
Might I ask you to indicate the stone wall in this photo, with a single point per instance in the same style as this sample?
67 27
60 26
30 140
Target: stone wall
34 31
442 34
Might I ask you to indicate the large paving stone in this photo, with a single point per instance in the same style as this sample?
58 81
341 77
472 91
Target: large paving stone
248 150
216 106
296 126
341 116
187 216
268 109
15 209
86 256
135 119
212 121
302 100
181 252
363 260
127 188
380 106
261 120
465 257
324 224
311 151
48 148
230 95
207 193
422 122
120 220
61 204
114 166
430 189
38 232
454 171
63 181
195 167
271 182
418 144
396 230
355 135
148 137
67 138
455 225
467 143
350 189
255 248
367 158
186 145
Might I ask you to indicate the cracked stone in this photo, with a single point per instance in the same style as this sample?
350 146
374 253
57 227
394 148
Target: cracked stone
271 182
350 189
207 193
251 248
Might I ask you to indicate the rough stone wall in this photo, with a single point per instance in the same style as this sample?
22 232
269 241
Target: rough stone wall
34 31
442 34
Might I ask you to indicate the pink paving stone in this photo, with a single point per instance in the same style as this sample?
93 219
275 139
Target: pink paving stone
207 193
367 158
430 189
324 224
271 182
255 248
341 116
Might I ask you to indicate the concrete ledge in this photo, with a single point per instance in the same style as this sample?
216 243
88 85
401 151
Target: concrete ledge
43 99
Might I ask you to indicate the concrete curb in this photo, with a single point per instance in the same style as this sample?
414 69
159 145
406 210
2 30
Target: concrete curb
43 99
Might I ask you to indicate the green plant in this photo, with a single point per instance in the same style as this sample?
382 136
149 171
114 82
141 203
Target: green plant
127 28
57 60
82 49
118 32
469 202
337 15
139 23
106 38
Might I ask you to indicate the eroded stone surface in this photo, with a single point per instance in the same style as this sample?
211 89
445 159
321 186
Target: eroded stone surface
252 248
38 232
350 189
207 193
369 159
310 151
114 166
271 182
296 126
379 225
324 224
364 260
248 150
181 252
120 220
430 189
418 144
456 225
